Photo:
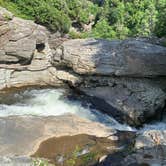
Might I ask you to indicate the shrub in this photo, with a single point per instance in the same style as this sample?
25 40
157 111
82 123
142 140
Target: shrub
112 18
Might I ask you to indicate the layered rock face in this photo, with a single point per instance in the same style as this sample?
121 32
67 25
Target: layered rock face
24 53
113 58
128 76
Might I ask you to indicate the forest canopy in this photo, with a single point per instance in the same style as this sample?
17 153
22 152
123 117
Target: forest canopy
111 19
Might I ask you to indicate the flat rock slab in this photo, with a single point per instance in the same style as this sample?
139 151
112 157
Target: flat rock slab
22 135
121 58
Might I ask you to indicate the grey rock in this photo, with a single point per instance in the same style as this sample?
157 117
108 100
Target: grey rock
136 99
117 72
121 58
150 148
23 50
151 138
19 39
17 79
5 15
21 62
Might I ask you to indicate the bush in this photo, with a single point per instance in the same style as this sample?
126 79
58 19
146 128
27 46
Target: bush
160 28
112 18
103 30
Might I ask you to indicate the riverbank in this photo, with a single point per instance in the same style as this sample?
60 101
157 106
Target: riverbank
111 86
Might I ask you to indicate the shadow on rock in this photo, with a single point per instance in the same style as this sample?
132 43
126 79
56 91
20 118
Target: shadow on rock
143 157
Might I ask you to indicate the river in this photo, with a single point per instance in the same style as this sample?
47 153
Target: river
52 102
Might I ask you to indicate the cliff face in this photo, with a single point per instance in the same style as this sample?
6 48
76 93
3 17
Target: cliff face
127 76
24 53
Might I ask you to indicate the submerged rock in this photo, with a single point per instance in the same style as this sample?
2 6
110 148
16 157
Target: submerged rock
82 149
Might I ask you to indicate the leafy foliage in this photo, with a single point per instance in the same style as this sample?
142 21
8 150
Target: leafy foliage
40 162
160 28
110 18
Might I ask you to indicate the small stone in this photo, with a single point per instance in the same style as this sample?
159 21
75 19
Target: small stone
60 159
113 138
102 158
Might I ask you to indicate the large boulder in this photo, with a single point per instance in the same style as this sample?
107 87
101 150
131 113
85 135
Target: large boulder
136 100
19 38
24 53
121 58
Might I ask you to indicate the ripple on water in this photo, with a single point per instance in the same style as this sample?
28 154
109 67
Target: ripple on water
52 102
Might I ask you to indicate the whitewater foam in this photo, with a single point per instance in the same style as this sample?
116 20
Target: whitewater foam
51 102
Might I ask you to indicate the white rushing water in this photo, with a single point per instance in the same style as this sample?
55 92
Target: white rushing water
50 102
154 126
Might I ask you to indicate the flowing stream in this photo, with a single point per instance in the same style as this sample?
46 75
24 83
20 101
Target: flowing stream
52 102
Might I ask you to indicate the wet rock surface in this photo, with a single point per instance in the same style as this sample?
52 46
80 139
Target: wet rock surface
21 135
153 156
149 150
83 149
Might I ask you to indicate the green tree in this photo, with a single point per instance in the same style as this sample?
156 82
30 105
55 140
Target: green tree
112 18
160 28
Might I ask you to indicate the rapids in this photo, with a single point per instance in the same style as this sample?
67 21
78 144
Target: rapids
51 102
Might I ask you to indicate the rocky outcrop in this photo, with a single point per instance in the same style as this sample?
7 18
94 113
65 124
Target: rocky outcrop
112 58
149 149
24 53
128 76
19 39
124 74
137 100
125 79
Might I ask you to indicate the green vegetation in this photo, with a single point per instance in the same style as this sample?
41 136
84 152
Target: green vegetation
106 18
85 159
40 162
